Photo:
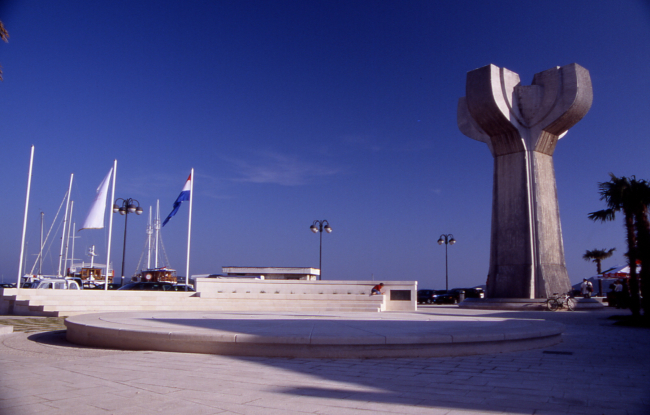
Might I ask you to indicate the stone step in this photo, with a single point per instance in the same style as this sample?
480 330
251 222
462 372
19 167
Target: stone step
65 303
170 301
68 312
233 307
148 295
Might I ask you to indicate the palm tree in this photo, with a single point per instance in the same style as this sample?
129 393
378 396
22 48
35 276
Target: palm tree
4 35
640 190
597 255
618 196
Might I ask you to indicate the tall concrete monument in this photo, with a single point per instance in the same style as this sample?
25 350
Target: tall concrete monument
521 125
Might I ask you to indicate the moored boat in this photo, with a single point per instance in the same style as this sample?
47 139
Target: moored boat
155 273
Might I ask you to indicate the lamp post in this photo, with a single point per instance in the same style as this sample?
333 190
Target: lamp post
447 240
319 229
128 206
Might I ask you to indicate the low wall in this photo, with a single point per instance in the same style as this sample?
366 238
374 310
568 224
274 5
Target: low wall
398 295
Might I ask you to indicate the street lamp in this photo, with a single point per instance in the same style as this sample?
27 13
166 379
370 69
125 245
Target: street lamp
447 240
319 229
128 206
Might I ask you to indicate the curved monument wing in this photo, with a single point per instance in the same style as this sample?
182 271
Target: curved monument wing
574 101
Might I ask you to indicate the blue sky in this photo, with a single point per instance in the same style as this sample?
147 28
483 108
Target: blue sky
292 111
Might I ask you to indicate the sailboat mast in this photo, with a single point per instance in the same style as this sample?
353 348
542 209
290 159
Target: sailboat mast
22 243
40 254
67 240
149 234
91 252
110 228
156 227
74 225
65 222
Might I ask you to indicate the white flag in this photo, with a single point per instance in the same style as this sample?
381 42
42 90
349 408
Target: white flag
95 218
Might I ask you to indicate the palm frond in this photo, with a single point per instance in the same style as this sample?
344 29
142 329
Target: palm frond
598 254
604 215
4 35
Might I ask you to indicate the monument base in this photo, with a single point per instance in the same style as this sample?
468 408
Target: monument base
330 335
523 304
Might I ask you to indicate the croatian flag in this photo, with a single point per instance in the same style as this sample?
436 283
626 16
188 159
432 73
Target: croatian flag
185 195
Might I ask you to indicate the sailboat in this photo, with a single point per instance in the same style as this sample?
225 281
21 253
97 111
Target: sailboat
28 278
95 220
154 272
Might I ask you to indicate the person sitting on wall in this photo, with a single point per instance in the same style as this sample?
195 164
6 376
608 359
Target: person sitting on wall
376 290
586 288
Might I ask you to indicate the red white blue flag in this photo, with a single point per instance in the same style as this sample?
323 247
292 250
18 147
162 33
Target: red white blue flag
185 195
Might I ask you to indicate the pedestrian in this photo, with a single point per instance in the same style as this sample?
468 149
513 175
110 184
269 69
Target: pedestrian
625 295
618 293
586 288
376 290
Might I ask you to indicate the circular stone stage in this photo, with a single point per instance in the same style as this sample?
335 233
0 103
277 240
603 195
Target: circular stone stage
330 335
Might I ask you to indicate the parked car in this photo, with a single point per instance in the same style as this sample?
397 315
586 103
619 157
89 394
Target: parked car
56 284
429 296
474 292
99 286
156 286
183 287
148 286
7 285
453 296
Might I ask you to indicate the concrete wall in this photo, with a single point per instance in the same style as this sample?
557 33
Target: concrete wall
218 295
395 292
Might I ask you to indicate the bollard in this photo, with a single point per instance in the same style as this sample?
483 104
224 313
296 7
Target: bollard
461 296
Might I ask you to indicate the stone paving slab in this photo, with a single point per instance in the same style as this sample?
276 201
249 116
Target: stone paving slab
32 324
599 368
332 335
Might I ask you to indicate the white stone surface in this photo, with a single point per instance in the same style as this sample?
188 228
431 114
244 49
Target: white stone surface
602 370
340 335
338 290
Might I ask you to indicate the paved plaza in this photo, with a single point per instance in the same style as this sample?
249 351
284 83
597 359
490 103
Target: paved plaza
599 368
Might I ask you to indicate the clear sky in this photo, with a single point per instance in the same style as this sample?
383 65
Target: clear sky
292 111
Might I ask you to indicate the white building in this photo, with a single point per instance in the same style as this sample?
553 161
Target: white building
273 273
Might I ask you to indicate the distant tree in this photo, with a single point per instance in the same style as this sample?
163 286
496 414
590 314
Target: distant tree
4 35
597 255
617 194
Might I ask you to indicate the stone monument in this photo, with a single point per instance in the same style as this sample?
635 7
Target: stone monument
521 125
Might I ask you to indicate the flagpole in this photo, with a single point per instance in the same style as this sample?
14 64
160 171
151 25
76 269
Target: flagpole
22 243
110 227
189 228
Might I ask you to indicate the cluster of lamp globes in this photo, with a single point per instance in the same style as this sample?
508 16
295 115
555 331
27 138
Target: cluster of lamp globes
128 207
317 229
446 239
